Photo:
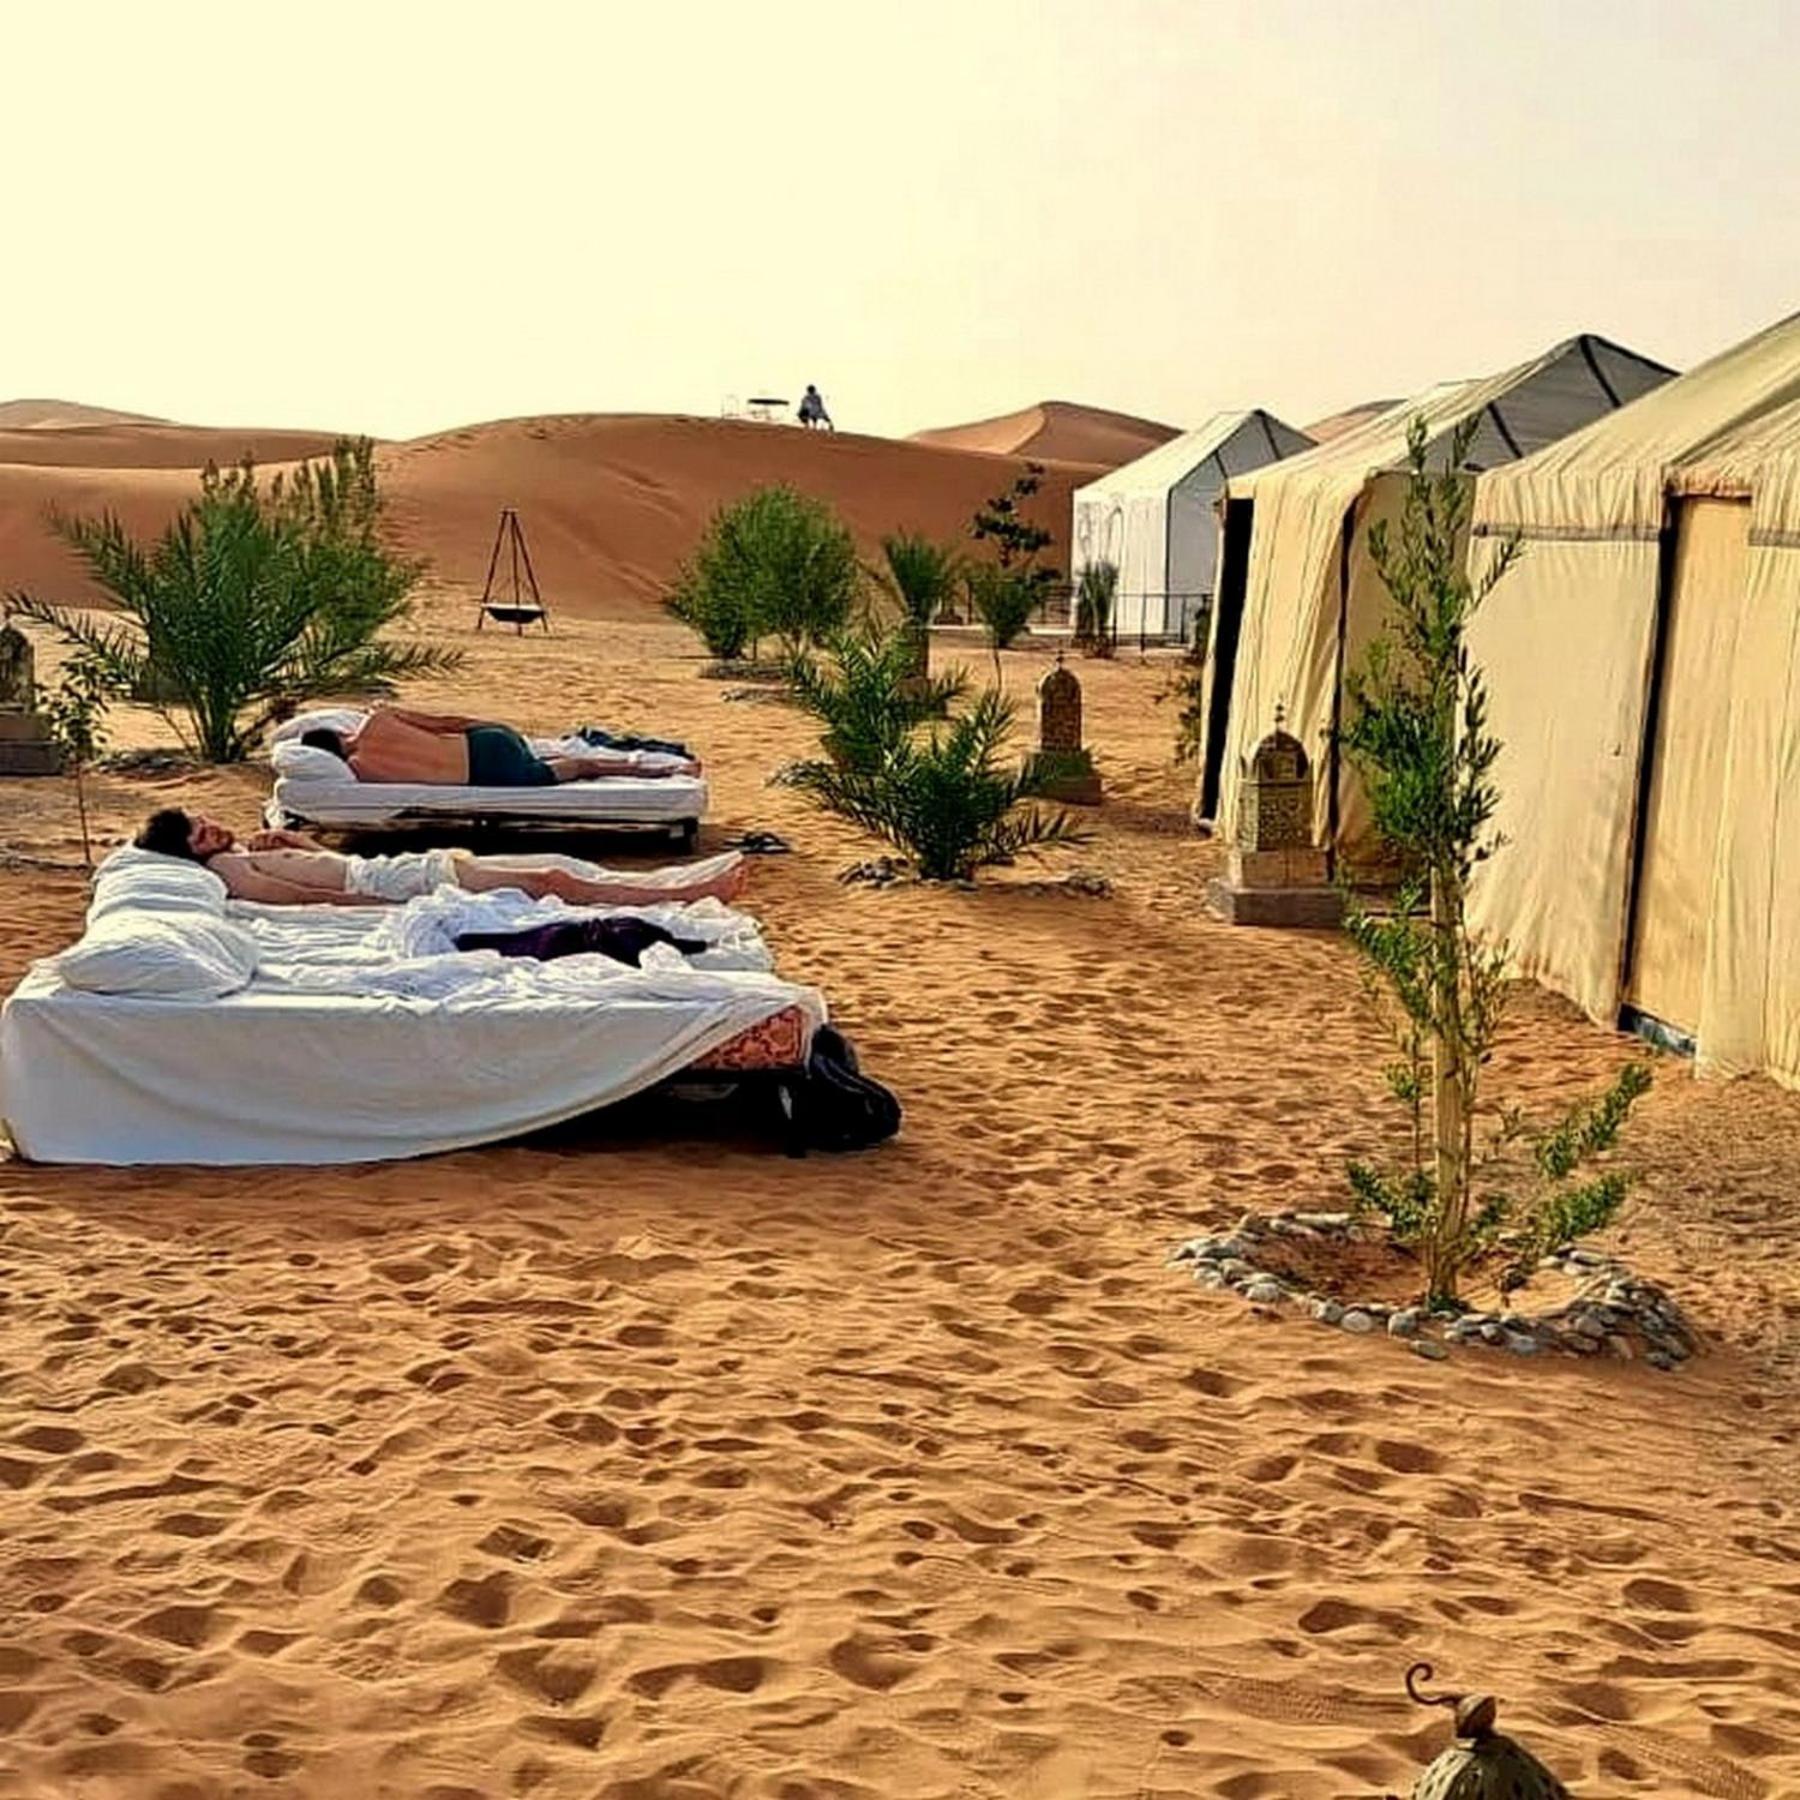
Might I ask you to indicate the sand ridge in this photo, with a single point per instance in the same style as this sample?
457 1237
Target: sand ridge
1056 430
605 1465
610 503
32 415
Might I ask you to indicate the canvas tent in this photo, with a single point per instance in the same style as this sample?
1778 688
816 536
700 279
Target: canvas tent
1644 662
1300 599
1155 521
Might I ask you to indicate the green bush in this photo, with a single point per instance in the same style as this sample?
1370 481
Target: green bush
75 712
935 788
921 574
866 695
1003 600
1094 607
250 603
775 564
712 609
1418 732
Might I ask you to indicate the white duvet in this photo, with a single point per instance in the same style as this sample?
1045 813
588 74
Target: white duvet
361 1036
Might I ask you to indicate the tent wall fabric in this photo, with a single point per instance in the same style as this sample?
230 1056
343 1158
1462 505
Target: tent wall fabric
1156 522
1313 601
1643 657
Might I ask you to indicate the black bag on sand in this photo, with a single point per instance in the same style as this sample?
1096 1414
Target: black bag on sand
832 1105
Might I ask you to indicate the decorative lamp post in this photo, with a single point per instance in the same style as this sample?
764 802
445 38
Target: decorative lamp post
1480 1764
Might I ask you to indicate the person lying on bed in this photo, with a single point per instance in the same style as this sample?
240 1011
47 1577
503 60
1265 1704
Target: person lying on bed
447 750
287 868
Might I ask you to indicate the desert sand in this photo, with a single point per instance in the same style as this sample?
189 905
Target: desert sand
1056 429
36 413
656 1466
610 503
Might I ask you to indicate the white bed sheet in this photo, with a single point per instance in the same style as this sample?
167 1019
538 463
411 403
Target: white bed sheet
460 1050
612 799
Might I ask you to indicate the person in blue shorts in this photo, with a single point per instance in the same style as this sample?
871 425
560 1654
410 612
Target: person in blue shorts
446 749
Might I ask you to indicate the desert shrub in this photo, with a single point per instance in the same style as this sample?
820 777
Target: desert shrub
713 609
775 564
250 603
920 574
1003 600
1417 730
936 787
1094 594
1186 687
866 695
1017 541
75 712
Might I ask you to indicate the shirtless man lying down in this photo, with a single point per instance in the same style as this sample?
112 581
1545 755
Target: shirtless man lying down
447 750
287 868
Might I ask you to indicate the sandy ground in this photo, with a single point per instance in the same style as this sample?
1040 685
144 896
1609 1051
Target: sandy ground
605 1465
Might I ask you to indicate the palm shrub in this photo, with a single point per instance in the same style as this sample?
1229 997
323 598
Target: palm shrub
921 574
940 793
1003 600
866 695
776 563
1419 735
249 603
922 577
1094 594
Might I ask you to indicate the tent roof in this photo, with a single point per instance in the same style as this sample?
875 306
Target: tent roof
1158 470
1707 431
1521 409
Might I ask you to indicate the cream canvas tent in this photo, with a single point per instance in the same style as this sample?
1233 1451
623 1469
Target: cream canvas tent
1155 520
1644 661
1299 597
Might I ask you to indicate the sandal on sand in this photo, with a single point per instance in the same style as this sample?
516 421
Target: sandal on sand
761 843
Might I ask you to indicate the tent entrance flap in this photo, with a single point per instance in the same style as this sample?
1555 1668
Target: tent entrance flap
1684 794
1234 575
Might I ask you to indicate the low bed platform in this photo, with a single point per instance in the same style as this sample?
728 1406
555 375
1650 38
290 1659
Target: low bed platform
313 788
334 1035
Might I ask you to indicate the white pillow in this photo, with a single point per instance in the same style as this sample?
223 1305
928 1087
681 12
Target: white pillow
174 956
305 762
134 880
323 718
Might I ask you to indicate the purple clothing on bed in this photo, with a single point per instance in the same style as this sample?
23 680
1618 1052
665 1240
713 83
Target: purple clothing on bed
624 939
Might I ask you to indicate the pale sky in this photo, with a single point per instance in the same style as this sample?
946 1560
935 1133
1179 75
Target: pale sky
401 217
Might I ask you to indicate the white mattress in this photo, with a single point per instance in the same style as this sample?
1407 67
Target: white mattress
610 800
305 1065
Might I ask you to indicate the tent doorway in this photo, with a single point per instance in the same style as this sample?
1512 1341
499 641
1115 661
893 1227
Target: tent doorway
1687 730
1234 576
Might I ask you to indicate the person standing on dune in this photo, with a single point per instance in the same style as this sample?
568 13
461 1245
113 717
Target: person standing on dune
812 410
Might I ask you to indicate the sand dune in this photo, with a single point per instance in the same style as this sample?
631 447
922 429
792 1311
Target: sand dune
610 504
1056 430
142 471
35 414
619 1466
155 446
1322 431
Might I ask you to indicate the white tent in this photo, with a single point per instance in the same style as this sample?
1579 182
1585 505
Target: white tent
1156 522
1643 662
1300 600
